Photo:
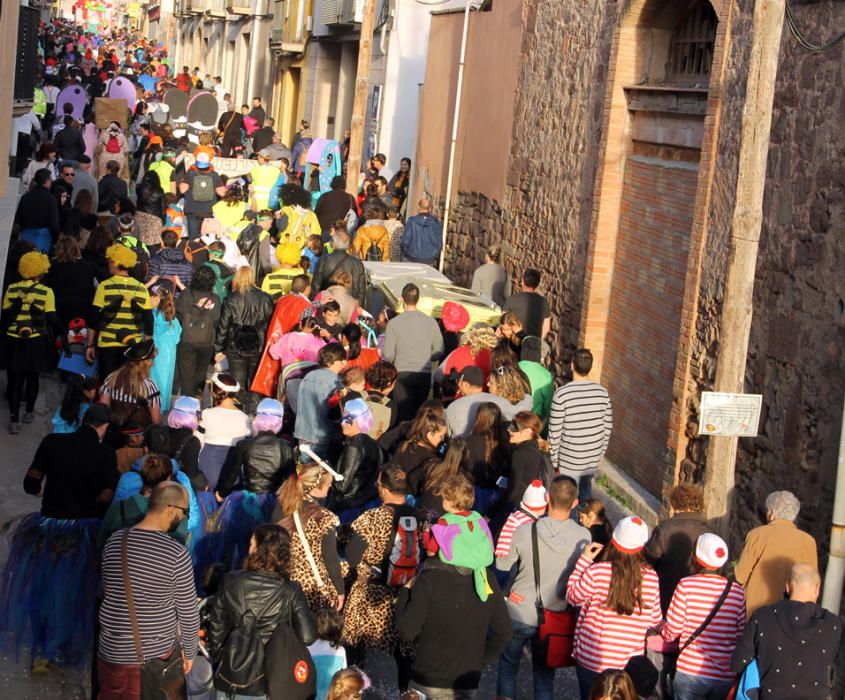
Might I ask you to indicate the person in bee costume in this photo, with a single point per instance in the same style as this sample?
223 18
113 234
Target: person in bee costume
121 313
30 326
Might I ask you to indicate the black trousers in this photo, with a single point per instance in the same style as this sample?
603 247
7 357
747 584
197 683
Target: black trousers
411 390
242 368
22 386
192 363
109 360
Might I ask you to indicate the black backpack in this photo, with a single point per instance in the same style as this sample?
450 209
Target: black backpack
196 323
241 667
373 253
291 673
547 470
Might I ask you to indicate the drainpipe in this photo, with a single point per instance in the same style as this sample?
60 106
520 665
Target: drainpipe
260 11
471 5
835 574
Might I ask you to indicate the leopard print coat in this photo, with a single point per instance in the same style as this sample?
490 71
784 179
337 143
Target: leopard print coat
317 522
368 618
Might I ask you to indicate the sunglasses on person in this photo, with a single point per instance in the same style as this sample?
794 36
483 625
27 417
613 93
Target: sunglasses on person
182 508
70 173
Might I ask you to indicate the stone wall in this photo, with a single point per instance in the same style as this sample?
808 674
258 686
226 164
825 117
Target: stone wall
544 221
797 348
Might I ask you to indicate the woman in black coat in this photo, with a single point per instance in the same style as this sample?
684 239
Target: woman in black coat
359 463
262 462
263 588
72 279
242 330
527 460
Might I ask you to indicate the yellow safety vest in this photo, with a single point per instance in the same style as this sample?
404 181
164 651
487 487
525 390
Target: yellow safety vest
32 295
264 177
164 171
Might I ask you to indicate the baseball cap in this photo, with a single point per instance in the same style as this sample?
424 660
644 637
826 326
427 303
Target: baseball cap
203 162
472 375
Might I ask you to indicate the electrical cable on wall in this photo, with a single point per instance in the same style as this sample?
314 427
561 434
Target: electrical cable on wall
802 40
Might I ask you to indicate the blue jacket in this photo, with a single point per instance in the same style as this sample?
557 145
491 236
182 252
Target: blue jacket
130 484
422 238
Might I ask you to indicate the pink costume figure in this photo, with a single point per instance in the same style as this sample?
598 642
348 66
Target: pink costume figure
296 346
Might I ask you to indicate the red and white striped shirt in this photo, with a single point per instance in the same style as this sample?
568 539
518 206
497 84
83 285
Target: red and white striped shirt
603 638
710 654
515 519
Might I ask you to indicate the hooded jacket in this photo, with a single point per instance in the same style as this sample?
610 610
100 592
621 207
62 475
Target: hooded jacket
131 484
559 543
171 262
795 644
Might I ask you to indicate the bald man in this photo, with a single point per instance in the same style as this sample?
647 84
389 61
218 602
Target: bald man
793 641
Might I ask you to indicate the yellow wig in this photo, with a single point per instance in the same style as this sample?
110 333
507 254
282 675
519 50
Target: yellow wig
33 265
121 256
287 254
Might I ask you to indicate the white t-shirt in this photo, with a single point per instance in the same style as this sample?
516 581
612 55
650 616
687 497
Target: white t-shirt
224 426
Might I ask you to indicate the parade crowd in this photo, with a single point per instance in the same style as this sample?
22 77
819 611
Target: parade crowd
260 473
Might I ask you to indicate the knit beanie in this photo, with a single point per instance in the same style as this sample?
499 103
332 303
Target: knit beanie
711 551
630 535
534 497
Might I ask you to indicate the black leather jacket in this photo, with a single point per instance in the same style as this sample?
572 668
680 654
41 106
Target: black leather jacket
359 464
264 461
250 308
340 261
272 601
151 199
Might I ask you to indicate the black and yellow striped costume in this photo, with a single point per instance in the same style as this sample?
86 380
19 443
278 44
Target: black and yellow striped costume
28 302
278 282
121 304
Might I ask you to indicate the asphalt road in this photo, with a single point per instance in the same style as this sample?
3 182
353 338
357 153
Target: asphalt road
72 684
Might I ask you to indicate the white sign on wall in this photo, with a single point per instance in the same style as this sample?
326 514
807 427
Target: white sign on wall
736 415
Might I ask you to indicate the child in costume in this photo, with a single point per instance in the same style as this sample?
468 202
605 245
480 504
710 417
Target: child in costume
462 537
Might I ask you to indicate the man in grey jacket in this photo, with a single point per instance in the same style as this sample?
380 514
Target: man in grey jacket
559 544
411 342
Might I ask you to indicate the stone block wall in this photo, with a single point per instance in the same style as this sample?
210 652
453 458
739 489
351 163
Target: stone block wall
797 349
544 220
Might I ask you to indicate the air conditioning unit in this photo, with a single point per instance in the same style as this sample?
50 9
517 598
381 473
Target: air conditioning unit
352 12
330 11
239 7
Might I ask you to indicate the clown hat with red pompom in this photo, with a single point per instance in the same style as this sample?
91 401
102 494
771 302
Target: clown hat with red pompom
711 551
630 535
534 498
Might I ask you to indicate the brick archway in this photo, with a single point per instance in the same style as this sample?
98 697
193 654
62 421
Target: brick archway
637 297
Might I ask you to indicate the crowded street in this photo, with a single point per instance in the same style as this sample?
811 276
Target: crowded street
314 390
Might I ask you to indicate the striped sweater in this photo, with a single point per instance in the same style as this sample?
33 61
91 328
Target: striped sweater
579 426
163 590
603 638
515 519
710 654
